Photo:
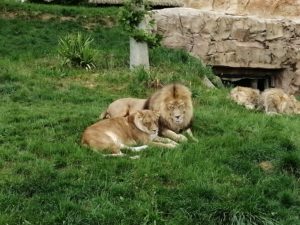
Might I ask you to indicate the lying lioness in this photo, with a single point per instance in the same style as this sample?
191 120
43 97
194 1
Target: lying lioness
245 96
276 101
119 133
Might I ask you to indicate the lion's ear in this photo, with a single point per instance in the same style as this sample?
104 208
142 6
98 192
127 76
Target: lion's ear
139 114
157 113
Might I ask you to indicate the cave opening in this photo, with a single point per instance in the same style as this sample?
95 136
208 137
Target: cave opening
259 78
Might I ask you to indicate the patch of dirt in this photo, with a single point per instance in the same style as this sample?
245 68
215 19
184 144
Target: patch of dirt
266 166
90 26
8 15
12 15
41 16
89 82
67 18
88 23
46 16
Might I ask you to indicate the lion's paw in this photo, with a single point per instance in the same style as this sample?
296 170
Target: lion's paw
181 138
171 145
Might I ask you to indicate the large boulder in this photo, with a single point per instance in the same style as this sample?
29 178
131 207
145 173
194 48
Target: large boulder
234 41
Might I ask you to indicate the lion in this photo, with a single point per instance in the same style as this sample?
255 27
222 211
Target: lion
245 96
296 104
123 107
276 101
119 133
174 103
126 106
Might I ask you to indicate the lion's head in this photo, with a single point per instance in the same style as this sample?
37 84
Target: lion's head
174 102
248 97
147 121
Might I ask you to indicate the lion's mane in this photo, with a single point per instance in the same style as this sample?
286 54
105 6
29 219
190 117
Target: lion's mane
172 94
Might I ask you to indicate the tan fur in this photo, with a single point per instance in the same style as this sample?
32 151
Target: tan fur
296 104
174 102
120 132
245 96
123 107
276 101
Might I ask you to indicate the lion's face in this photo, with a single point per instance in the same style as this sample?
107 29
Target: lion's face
176 110
147 121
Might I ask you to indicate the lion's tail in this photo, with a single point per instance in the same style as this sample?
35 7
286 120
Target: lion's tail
104 115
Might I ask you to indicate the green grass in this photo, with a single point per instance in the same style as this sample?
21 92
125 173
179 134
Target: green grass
48 178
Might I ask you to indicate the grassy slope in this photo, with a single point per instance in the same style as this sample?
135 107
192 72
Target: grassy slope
48 178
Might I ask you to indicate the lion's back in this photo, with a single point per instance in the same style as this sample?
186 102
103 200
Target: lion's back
123 107
276 100
109 130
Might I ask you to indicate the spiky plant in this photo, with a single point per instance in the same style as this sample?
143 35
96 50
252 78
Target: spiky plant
75 49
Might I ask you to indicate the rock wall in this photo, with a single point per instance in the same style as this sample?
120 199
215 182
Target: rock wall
235 41
263 8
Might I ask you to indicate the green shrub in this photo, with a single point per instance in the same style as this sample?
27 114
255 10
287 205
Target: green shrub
75 49
288 198
291 164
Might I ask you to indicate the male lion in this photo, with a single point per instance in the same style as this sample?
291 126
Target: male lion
123 107
119 133
245 96
276 101
174 103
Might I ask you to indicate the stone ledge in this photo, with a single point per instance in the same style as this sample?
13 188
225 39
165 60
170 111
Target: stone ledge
235 41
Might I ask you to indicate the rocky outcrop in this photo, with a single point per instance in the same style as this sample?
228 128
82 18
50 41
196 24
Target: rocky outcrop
235 41
262 8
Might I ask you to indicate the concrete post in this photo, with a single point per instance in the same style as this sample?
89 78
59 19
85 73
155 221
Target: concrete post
139 55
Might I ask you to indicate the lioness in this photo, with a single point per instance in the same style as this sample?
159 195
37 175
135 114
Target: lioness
296 104
119 133
276 101
123 107
245 96
174 103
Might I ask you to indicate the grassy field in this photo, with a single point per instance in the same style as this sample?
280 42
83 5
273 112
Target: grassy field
46 177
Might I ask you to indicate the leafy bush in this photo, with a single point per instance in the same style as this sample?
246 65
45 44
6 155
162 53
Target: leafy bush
76 50
131 15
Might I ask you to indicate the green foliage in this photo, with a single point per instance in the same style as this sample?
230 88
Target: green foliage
76 50
133 12
131 15
186 65
143 36
227 217
47 177
289 199
63 2
291 163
